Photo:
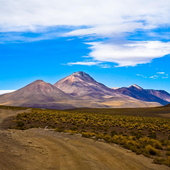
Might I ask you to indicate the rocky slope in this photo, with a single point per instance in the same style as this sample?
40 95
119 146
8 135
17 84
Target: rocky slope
80 90
80 83
137 92
37 94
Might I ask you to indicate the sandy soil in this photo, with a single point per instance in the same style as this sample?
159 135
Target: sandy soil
40 149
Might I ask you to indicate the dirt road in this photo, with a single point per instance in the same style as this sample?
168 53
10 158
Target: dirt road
40 149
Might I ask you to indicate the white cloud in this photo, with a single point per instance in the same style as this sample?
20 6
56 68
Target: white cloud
160 75
166 76
107 30
107 17
105 66
85 63
154 77
128 54
160 72
140 75
6 91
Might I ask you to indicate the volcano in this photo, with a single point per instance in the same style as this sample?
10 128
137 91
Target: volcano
37 94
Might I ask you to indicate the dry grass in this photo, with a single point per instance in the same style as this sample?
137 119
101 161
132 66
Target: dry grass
143 131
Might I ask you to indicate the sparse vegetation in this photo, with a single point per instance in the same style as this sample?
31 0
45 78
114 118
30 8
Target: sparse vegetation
13 107
143 135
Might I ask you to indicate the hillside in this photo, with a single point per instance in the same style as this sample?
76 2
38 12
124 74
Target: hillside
37 94
81 90
137 92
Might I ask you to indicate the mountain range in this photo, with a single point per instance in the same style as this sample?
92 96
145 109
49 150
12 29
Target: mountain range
81 90
137 92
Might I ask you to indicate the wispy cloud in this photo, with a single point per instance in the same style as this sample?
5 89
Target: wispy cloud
166 76
105 66
153 77
141 75
6 91
160 72
128 54
85 63
160 75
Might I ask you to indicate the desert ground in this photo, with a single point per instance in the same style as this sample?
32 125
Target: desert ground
36 149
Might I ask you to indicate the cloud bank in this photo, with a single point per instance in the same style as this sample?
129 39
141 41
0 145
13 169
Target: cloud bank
108 19
128 54
100 17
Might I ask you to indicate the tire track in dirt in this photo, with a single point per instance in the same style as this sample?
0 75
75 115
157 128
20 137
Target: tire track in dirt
72 152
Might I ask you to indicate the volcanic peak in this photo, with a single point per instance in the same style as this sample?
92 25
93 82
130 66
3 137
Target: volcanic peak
136 86
81 74
79 77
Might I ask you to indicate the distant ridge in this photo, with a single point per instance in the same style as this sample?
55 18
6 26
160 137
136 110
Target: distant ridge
81 90
162 94
138 92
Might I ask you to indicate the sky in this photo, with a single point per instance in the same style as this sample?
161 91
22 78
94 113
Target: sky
118 43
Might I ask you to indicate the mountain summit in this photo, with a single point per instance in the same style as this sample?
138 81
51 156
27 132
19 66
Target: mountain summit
80 83
36 94
135 86
83 76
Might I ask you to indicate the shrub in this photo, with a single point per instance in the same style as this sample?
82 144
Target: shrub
168 147
151 150
20 123
113 132
138 152
167 161
73 128
87 134
145 153
115 139
164 142
152 135
169 137
157 145
138 134
71 131
159 161
60 129
133 148
132 145
107 138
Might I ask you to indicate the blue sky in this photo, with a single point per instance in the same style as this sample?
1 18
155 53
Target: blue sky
118 43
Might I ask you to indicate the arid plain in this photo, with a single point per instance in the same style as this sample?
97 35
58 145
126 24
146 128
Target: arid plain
39 148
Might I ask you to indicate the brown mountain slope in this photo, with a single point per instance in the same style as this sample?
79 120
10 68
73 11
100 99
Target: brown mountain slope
37 94
145 95
83 87
81 84
162 94
76 90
